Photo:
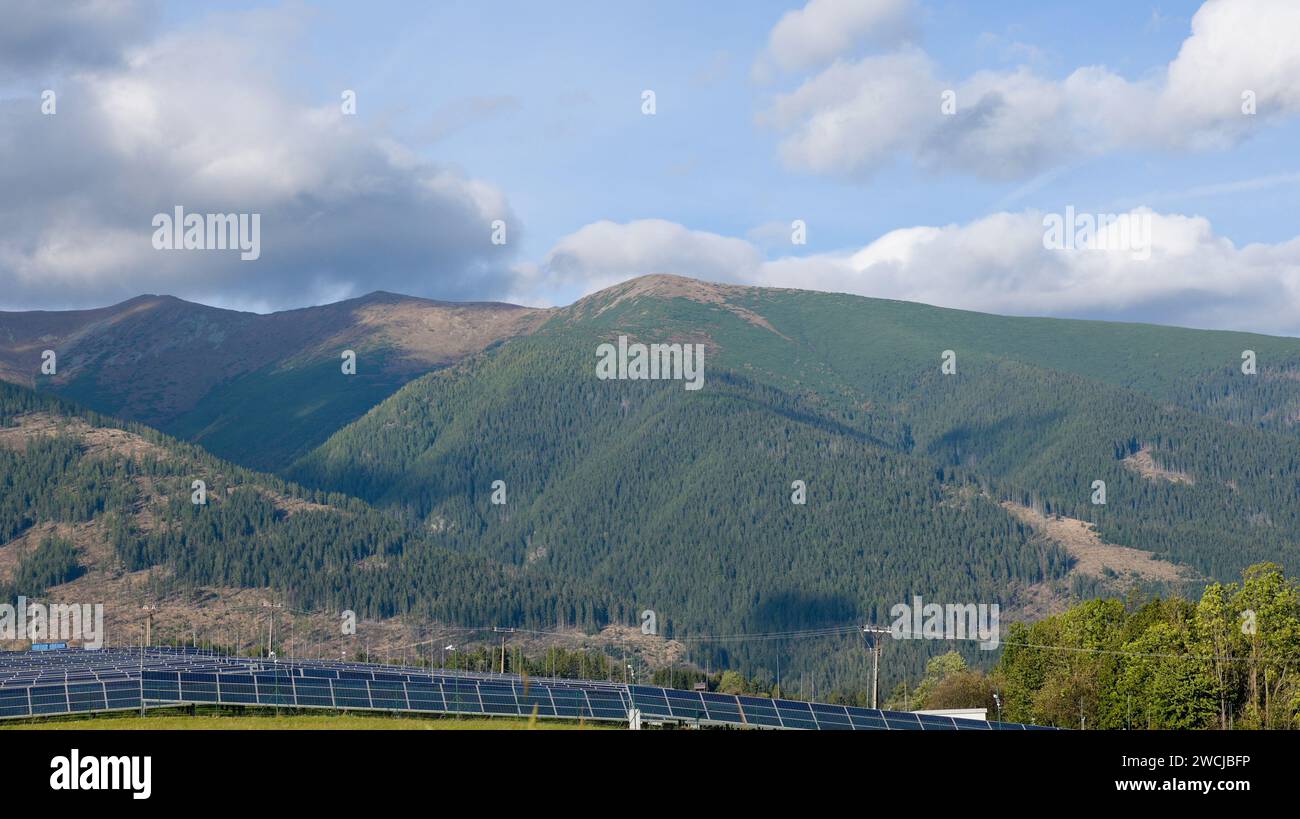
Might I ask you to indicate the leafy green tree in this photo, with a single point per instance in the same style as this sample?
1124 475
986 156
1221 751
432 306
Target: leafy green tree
1272 601
962 689
936 671
1165 685
732 683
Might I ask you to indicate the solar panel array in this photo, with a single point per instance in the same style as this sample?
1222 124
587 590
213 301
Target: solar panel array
65 682
384 690
710 708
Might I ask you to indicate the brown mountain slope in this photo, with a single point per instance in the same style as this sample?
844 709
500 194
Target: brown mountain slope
185 349
207 374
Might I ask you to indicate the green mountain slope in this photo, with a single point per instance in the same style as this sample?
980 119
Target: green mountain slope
680 500
122 494
620 496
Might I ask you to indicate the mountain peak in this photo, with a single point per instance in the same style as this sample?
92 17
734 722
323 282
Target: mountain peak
385 297
664 286
667 286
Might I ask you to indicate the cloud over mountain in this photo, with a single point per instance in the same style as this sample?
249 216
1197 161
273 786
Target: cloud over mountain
998 263
196 118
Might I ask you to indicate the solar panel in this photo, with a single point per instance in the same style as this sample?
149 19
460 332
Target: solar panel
65 682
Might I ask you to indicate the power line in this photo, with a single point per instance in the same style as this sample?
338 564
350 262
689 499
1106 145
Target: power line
714 638
812 633
1155 655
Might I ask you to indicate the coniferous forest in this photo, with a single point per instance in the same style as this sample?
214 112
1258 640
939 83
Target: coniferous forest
828 469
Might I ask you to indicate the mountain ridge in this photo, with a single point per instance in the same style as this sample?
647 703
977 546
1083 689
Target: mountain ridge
197 371
204 368
917 480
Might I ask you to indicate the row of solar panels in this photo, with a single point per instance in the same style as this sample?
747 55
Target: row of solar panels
710 708
442 695
129 657
469 697
283 690
354 672
69 698
58 665
72 666
389 674
347 686
92 674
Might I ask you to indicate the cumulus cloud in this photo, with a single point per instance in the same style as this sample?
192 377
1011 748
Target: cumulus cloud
825 29
1191 276
851 118
856 115
38 36
605 253
191 119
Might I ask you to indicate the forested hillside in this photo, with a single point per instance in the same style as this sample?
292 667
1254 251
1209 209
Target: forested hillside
62 465
681 501
512 486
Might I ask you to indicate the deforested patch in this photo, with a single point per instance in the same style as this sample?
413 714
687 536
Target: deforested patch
1145 465
1093 556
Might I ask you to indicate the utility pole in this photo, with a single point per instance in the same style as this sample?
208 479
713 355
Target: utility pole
503 632
148 623
141 675
270 634
875 633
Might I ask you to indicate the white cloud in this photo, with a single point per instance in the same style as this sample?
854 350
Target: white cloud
1236 45
854 116
1193 277
772 235
857 115
37 36
604 253
999 264
190 119
825 29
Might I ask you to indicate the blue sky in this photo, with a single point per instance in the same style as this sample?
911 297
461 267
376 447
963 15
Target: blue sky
540 104
569 144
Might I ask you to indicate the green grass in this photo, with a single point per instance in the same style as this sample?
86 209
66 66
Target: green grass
172 721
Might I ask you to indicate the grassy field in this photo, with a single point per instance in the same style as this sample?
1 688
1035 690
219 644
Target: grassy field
292 722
